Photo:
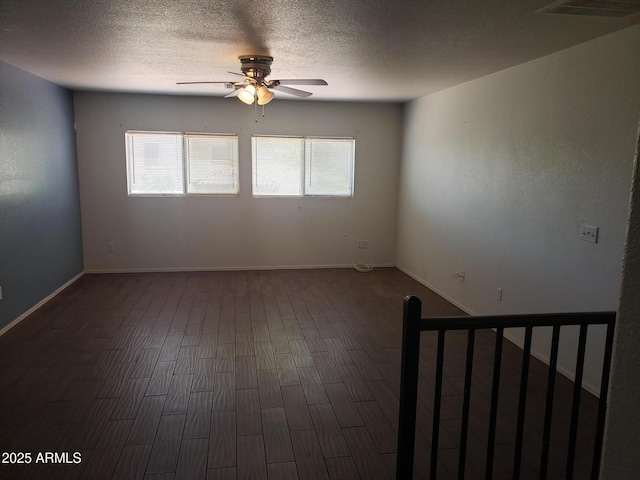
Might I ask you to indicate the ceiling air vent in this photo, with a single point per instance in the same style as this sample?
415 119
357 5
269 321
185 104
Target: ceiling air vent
597 8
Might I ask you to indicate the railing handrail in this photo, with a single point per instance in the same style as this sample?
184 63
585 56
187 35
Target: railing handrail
517 320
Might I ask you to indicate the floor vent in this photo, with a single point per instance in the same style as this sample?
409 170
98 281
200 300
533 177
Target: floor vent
595 8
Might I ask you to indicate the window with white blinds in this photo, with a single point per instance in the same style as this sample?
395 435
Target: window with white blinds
154 163
303 166
212 164
167 163
328 166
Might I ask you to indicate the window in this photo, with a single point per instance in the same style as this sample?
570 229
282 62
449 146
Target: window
328 166
167 163
212 164
300 166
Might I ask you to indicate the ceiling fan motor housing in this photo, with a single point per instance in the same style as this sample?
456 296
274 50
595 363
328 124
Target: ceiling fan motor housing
256 66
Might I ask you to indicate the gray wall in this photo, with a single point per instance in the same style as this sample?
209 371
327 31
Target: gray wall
208 232
40 234
499 173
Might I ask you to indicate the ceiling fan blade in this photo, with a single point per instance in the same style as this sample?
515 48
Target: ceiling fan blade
292 91
301 81
195 83
246 77
233 94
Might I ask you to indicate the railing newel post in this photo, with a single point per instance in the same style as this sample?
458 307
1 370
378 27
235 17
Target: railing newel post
408 387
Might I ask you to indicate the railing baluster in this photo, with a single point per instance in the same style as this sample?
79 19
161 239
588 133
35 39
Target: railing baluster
495 389
548 410
437 399
524 379
602 404
466 404
575 409
408 387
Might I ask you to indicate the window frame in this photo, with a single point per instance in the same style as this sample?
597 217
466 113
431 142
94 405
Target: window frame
186 174
303 167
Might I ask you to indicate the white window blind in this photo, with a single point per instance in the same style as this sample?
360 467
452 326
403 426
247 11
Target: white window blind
297 166
212 164
154 163
277 165
329 166
168 163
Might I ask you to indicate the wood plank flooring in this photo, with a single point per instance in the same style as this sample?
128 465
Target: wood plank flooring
290 374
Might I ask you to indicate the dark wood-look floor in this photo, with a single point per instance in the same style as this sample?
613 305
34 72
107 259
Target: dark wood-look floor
249 375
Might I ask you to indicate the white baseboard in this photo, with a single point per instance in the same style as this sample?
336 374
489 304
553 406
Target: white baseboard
545 359
227 269
6 328
464 308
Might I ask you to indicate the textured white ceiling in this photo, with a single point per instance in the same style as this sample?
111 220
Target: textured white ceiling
366 49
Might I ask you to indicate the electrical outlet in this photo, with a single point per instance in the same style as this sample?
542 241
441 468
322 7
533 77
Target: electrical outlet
362 244
589 233
459 275
499 294
111 247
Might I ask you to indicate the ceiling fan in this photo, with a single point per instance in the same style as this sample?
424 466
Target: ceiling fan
254 86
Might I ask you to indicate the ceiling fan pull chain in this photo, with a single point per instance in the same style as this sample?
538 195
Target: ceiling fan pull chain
255 109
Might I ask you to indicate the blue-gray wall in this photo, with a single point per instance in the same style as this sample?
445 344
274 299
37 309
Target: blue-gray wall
40 230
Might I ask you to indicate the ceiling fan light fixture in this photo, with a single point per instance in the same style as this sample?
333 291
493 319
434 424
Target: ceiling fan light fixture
264 95
255 89
248 94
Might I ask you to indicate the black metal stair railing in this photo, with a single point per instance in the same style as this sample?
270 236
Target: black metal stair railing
413 324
